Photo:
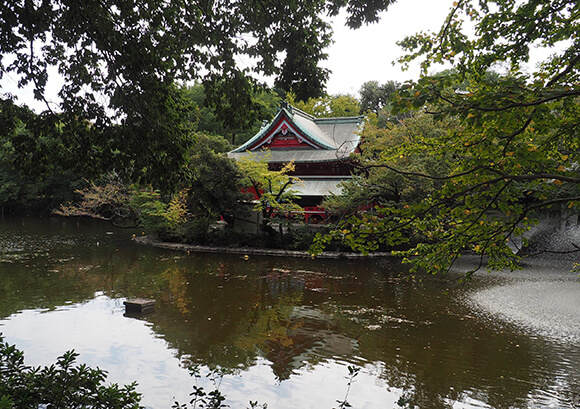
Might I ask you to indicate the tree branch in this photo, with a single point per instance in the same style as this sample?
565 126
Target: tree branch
567 70
565 94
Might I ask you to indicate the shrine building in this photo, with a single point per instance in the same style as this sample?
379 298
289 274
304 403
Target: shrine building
320 148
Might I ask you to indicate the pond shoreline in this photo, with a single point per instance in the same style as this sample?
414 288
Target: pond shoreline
257 251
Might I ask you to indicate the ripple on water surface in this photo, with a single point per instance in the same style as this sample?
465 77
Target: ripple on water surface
548 311
548 308
287 330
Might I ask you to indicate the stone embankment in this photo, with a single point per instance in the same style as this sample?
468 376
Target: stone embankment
150 241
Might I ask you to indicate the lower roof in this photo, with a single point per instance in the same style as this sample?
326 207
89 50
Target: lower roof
298 155
318 186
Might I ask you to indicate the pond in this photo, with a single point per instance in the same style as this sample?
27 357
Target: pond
281 331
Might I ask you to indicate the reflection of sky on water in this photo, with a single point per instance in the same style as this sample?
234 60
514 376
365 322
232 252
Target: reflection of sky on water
129 350
325 385
126 348
287 328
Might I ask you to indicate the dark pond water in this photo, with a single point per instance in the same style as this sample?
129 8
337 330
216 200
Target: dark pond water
284 331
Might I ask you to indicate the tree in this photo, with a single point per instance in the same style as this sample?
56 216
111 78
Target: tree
377 99
109 200
272 188
129 206
215 116
376 182
211 188
328 106
214 181
516 147
35 189
120 62
374 97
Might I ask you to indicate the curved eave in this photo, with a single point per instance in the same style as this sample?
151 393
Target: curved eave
253 140
303 123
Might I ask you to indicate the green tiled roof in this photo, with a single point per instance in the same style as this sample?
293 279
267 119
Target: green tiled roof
336 137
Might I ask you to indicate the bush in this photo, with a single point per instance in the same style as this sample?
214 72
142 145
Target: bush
300 238
61 385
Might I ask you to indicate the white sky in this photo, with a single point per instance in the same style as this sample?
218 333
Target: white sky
366 54
357 56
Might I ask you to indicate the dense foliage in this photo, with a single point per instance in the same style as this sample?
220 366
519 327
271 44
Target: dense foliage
374 97
210 189
120 64
389 181
43 185
39 172
516 145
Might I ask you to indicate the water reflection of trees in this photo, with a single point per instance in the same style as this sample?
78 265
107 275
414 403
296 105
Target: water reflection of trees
298 318
222 311
228 319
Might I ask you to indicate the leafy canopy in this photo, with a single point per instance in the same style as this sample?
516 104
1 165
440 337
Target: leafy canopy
374 97
121 62
386 180
516 147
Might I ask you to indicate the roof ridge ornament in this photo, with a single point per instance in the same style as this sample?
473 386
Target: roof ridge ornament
285 105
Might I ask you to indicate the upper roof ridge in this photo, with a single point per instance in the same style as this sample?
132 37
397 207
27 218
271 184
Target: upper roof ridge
302 113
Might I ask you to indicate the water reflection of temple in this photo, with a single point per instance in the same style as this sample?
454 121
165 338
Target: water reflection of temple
309 340
310 335
280 281
218 311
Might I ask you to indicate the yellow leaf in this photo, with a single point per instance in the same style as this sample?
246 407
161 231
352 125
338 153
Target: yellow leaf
571 204
564 157
470 115
509 154
558 182
561 168
417 93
